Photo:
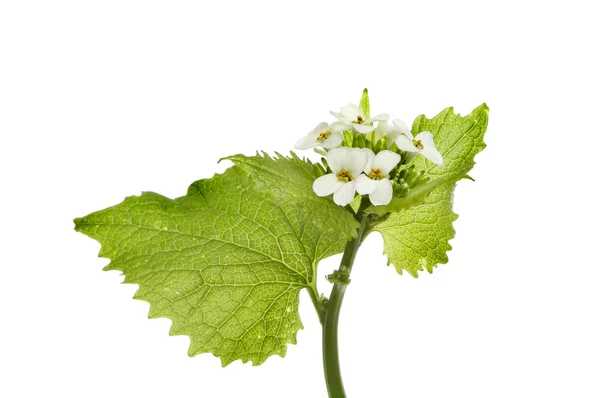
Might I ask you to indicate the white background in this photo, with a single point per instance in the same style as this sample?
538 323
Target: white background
101 100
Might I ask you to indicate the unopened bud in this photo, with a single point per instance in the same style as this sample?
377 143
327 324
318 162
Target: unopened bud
421 180
320 169
401 190
380 145
359 141
402 174
412 177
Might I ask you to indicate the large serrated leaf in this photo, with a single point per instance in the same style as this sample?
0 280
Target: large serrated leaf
227 261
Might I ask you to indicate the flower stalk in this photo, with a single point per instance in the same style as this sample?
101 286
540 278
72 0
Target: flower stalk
331 360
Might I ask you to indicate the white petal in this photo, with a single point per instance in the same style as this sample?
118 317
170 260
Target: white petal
340 125
429 150
345 194
370 158
351 111
365 185
334 140
386 161
405 143
321 127
326 185
355 161
392 135
426 138
308 141
335 158
382 117
338 115
382 194
409 157
403 127
381 130
433 155
362 128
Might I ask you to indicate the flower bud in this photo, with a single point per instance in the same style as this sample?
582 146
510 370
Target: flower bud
359 141
401 190
380 145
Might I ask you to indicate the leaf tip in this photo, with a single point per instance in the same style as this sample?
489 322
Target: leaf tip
226 158
482 110
77 221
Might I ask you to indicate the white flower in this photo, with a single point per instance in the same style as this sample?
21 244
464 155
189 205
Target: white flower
422 143
403 127
384 129
352 117
322 135
346 164
376 182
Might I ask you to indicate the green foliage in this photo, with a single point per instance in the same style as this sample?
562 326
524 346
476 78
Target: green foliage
348 138
416 238
364 103
457 138
227 261
417 231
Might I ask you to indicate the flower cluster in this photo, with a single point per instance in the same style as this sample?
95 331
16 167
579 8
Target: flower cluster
361 157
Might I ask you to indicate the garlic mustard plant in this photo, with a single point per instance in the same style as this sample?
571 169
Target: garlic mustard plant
227 261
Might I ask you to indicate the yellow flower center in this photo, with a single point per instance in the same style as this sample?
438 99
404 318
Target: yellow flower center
344 175
376 174
418 144
359 120
324 135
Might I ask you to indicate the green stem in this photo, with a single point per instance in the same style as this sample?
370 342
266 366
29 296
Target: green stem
317 303
331 360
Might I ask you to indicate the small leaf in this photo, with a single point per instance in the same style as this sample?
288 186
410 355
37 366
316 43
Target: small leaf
227 261
417 232
457 138
364 103
417 238
355 204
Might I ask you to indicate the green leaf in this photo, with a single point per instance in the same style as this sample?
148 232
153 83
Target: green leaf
417 238
418 229
457 138
364 103
355 204
227 261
